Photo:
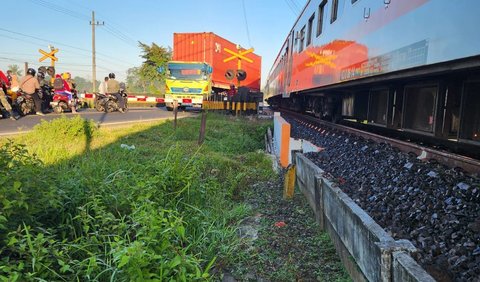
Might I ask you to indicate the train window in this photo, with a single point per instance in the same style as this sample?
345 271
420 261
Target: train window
301 38
470 120
310 27
419 110
377 108
334 11
321 10
353 1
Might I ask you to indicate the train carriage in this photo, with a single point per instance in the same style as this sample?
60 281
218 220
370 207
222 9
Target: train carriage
403 65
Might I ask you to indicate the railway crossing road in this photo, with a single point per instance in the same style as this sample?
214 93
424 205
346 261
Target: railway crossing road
134 115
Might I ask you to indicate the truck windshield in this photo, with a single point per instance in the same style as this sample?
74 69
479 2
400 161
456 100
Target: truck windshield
187 71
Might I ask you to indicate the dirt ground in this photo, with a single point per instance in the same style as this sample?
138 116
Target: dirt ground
282 241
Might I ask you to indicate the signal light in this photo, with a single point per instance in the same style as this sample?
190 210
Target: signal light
230 74
241 75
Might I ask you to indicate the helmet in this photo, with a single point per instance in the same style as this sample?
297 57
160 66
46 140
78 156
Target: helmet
111 75
31 72
51 71
66 75
42 69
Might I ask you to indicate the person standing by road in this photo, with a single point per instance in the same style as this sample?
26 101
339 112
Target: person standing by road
30 86
4 84
113 88
102 89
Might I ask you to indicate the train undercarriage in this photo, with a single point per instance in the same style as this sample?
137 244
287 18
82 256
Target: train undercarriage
438 105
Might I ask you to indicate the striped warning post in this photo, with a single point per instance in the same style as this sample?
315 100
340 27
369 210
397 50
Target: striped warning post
281 130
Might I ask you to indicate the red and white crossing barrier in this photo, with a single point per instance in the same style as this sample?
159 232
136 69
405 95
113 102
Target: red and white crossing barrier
131 98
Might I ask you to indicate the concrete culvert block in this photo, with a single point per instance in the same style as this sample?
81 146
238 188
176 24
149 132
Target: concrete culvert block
406 269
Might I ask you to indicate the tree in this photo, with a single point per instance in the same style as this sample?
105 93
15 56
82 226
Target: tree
135 83
155 56
15 69
83 84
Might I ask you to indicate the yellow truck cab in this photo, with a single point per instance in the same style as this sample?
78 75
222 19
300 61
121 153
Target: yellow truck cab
187 82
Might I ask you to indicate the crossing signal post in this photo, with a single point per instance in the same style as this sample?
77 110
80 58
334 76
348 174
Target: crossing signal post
239 55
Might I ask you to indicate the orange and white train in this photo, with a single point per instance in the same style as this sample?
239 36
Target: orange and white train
403 65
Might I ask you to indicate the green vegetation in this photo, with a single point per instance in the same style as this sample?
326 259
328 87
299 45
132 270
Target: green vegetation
146 78
76 206
290 246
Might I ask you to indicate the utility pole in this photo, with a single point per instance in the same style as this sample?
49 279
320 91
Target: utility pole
94 64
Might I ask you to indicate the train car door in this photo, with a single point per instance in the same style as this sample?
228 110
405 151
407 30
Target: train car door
470 114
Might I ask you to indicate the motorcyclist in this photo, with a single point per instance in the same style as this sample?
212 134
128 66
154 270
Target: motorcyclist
4 83
30 86
46 94
71 83
12 90
102 89
113 88
61 86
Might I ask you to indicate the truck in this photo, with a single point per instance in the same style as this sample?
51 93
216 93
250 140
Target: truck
187 83
203 64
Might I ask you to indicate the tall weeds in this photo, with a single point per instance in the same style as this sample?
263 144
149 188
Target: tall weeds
163 212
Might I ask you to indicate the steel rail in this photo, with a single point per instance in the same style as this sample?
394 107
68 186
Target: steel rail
469 165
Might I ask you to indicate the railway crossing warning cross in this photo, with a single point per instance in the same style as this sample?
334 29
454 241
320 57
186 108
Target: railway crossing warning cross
240 56
50 56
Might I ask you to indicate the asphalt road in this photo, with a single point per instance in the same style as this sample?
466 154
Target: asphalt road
134 115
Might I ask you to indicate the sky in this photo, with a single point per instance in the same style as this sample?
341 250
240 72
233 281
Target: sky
30 25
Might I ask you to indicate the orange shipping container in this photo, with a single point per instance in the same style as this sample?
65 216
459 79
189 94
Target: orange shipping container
213 49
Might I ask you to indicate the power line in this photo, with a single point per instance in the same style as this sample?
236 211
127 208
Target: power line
291 8
36 44
120 36
111 30
246 23
61 44
295 5
119 31
115 31
60 9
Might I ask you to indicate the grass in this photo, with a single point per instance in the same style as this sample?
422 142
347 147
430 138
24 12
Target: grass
297 251
78 206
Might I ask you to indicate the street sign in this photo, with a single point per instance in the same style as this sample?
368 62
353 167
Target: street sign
50 56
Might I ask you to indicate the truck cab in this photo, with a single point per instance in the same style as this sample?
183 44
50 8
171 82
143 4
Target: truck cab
189 83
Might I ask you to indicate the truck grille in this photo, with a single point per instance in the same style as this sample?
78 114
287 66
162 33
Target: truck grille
186 90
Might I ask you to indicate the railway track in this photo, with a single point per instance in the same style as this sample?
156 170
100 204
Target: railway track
452 160
429 203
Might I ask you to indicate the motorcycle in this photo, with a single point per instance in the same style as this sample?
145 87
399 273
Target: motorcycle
24 104
110 103
46 93
100 102
63 102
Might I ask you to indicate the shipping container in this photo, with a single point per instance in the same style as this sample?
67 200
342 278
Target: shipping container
222 55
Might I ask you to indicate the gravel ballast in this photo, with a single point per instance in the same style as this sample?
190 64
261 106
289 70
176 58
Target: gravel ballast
435 207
